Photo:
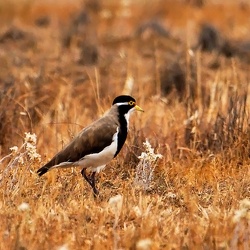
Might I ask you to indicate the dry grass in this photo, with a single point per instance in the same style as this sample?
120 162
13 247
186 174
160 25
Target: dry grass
58 73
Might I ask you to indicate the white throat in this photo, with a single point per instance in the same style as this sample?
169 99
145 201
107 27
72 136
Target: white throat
127 116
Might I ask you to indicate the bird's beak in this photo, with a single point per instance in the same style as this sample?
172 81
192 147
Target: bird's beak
138 108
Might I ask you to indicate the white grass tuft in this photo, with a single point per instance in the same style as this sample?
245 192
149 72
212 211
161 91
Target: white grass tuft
144 244
63 247
146 166
23 206
115 204
243 211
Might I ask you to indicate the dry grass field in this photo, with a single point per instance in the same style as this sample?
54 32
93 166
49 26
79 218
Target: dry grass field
186 63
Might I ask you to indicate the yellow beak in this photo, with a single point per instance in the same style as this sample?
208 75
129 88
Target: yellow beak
138 108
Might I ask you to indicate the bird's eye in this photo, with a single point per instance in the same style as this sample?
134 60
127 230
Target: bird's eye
131 103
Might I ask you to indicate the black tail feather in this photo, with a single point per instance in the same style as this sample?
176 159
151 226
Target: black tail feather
43 170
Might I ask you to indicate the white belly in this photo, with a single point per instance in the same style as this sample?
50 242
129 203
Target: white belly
97 161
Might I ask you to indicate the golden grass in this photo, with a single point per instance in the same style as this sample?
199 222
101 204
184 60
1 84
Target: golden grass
199 196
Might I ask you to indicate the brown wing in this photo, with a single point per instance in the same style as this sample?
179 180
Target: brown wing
92 139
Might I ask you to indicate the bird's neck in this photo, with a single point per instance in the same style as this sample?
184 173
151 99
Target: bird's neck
123 131
126 116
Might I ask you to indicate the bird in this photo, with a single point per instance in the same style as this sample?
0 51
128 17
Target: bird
98 143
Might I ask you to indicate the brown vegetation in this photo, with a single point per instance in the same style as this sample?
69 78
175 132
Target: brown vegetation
186 63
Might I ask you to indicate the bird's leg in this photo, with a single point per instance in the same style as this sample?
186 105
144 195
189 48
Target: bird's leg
83 172
91 181
95 190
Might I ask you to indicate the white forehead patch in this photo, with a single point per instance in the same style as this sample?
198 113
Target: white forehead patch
121 103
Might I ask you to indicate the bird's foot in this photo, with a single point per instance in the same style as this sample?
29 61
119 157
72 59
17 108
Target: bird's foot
95 192
91 181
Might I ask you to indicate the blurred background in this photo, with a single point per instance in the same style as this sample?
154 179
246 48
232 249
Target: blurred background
187 64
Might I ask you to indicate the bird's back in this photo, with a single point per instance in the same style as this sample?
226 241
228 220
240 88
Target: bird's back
92 139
